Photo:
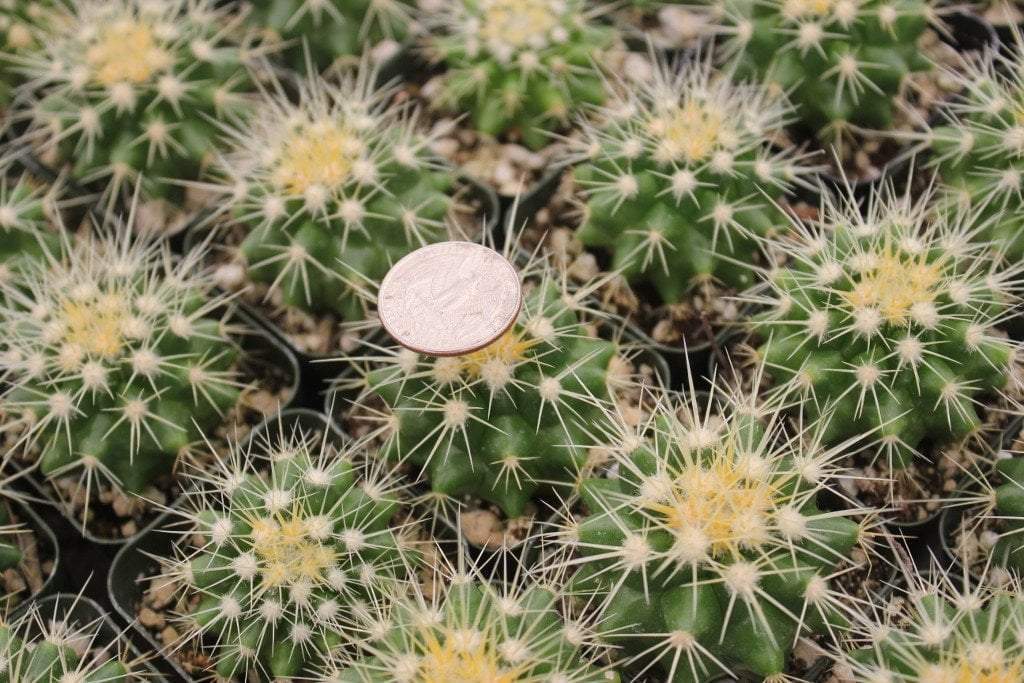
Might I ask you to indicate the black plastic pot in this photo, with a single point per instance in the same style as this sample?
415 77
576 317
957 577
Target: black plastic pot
138 561
257 343
46 545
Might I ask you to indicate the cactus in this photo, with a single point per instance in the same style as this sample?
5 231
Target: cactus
521 67
296 535
26 234
329 30
941 629
19 22
501 423
890 319
333 190
40 648
708 544
131 89
979 146
114 360
472 630
10 553
680 178
842 62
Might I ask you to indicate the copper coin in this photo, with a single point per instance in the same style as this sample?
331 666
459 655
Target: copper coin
449 298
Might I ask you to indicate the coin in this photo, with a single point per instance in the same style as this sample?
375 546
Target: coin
450 298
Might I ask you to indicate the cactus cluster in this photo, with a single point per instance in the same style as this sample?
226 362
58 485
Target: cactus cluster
120 90
296 533
978 146
520 67
680 177
708 543
327 30
333 189
888 319
842 62
502 423
115 359
470 630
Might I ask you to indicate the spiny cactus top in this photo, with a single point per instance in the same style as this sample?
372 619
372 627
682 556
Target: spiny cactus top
114 358
19 29
709 543
979 147
470 630
334 190
679 176
502 423
130 88
841 61
39 647
890 318
292 544
943 630
522 66
328 29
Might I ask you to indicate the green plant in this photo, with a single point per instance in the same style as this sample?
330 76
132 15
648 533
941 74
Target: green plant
26 235
681 179
939 629
127 89
842 62
889 320
520 66
708 542
502 423
471 630
10 553
296 534
19 22
333 190
115 360
979 146
328 29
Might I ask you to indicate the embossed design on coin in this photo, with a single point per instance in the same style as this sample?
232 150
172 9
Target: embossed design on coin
450 298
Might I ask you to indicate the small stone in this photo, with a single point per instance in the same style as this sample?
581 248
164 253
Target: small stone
169 636
151 619
229 276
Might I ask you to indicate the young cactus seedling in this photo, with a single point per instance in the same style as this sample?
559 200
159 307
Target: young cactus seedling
708 542
520 67
296 534
680 176
115 360
332 189
470 629
329 30
979 146
842 62
125 89
503 423
889 318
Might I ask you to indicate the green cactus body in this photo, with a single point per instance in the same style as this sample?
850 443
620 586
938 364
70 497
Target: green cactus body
333 191
19 27
472 632
1002 499
709 544
979 148
841 62
522 66
10 553
26 235
501 423
130 89
942 630
287 555
329 30
889 321
114 359
680 178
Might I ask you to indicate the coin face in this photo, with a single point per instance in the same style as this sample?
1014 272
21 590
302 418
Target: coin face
449 298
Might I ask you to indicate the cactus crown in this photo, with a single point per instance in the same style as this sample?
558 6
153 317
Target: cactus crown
710 537
113 356
891 317
522 65
979 145
297 532
942 629
334 188
687 156
130 88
